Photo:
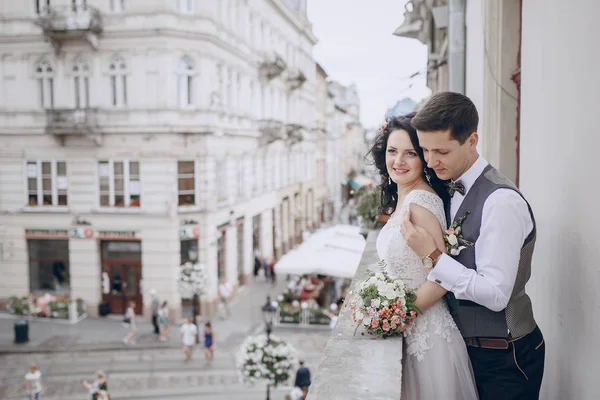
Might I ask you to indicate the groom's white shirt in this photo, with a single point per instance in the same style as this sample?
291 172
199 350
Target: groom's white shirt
505 224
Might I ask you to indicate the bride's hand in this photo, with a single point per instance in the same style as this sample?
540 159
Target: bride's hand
416 237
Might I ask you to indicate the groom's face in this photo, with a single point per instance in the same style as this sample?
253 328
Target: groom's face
446 156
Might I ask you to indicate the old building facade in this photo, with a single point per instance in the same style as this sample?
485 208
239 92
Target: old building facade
138 135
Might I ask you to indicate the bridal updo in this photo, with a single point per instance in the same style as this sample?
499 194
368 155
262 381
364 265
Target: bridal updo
389 189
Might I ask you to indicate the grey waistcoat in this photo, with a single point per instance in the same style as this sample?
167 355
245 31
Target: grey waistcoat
475 320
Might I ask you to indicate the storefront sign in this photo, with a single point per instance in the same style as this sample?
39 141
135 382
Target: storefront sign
118 235
82 233
189 233
46 233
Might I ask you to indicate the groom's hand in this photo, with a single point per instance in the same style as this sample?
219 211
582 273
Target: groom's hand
416 237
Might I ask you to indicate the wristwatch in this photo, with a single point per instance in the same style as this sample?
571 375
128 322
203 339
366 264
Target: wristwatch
430 260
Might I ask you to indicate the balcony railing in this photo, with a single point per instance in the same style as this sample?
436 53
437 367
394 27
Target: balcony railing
73 122
295 78
356 366
271 130
295 133
60 23
272 65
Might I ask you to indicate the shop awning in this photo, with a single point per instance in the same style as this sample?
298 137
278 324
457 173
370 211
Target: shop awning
334 251
360 181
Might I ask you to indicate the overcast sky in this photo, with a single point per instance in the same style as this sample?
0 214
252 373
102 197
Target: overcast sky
356 45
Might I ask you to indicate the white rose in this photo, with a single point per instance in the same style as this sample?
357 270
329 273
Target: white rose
359 316
375 303
452 239
391 294
367 321
385 303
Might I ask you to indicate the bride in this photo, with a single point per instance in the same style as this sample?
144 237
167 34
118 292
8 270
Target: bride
435 362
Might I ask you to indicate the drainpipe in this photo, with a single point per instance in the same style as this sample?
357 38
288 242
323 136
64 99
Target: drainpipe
456 46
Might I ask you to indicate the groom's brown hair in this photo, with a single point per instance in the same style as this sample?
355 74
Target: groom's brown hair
448 110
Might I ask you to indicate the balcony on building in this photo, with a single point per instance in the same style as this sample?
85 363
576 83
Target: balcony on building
272 65
295 78
73 122
271 130
295 133
353 365
74 22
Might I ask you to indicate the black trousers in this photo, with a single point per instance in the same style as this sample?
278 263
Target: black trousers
155 323
512 374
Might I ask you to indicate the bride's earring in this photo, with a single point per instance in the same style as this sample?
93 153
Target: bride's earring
389 180
427 176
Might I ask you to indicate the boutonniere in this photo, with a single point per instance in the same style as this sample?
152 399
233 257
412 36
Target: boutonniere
455 243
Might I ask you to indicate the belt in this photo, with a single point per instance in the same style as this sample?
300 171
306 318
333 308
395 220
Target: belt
490 343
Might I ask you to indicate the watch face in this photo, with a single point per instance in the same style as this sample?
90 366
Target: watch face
427 262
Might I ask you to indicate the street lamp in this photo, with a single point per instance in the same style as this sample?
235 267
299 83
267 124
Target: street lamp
268 312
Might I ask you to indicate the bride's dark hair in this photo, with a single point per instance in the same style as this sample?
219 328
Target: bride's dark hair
389 189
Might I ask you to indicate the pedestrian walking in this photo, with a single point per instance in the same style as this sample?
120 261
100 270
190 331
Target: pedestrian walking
225 291
188 338
302 378
163 321
209 343
98 389
33 382
129 321
154 307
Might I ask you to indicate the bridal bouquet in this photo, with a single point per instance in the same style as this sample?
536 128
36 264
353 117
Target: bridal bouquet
383 305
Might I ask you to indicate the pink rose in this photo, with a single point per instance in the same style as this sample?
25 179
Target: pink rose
402 327
374 323
398 311
386 326
403 314
399 303
380 312
450 231
413 313
395 320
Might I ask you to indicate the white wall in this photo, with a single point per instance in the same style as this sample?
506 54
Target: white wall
559 164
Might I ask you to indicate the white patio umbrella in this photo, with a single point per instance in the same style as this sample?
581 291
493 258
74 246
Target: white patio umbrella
334 251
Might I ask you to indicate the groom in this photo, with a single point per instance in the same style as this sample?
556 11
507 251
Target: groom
485 282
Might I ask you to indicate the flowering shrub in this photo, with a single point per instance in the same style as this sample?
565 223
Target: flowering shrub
384 306
192 280
268 361
46 306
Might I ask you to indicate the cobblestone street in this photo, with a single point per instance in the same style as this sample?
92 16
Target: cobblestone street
150 370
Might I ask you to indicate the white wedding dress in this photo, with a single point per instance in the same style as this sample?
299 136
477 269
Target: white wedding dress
435 362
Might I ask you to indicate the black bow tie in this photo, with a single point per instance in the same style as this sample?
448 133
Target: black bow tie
456 187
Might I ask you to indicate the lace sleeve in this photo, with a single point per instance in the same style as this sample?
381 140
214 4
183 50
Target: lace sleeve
430 201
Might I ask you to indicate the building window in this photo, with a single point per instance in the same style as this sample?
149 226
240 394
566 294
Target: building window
42 6
117 70
221 181
221 83
81 73
117 5
44 73
48 265
221 254
186 82
186 181
47 183
240 251
188 251
240 178
186 6
119 183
